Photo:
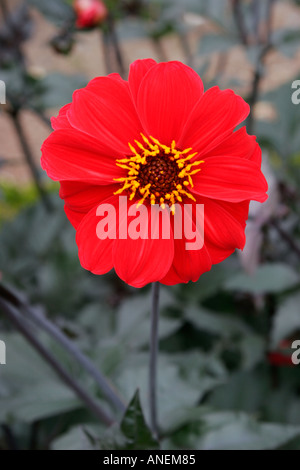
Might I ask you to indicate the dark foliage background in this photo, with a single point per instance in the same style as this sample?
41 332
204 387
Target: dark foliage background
226 380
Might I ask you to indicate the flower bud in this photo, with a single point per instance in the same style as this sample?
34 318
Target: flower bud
89 13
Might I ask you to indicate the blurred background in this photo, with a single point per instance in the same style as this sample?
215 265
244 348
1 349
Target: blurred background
226 376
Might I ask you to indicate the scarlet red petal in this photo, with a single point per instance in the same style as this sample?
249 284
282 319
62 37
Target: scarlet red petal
138 70
95 255
231 179
80 198
70 155
139 262
188 265
166 97
256 155
237 144
214 117
217 254
105 110
224 227
61 121
74 217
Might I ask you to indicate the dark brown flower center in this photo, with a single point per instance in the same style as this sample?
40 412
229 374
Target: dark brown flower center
158 173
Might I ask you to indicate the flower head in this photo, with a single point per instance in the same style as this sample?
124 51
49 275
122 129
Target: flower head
89 13
162 144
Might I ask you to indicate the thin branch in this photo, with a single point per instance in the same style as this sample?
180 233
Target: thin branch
41 321
9 437
239 21
256 18
186 48
42 116
153 358
259 70
258 74
159 49
106 50
14 316
15 116
4 9
269 21
116 45
286 236
106 388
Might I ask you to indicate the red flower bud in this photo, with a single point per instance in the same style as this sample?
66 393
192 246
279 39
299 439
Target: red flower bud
89 13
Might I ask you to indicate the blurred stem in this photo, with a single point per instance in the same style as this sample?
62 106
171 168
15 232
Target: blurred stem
15 115
255 13
153 358
7 19
259 70
116 45
13 314
41 321
286 236
157 43
84 361
269 16
183 38
239 20
9 437
106 51
4 9
42 116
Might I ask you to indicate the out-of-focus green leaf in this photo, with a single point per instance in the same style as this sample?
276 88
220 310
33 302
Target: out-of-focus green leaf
57 11
184 386
286 320
134 319
271 278
211 43
77 438
216 323
243 391
57 90
33 390
39 401
287 41
232 431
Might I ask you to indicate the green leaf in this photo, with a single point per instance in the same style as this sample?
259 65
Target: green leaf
209 283
134 319
134 427
57 11
243 391
286 320
56 90
39 401
268 278
216 323
77 438
232 431
185 388
211 43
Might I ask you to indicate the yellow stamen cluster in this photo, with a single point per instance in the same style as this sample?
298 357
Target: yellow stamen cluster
158 173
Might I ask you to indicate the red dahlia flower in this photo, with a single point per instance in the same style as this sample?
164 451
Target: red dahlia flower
156 139
89 13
